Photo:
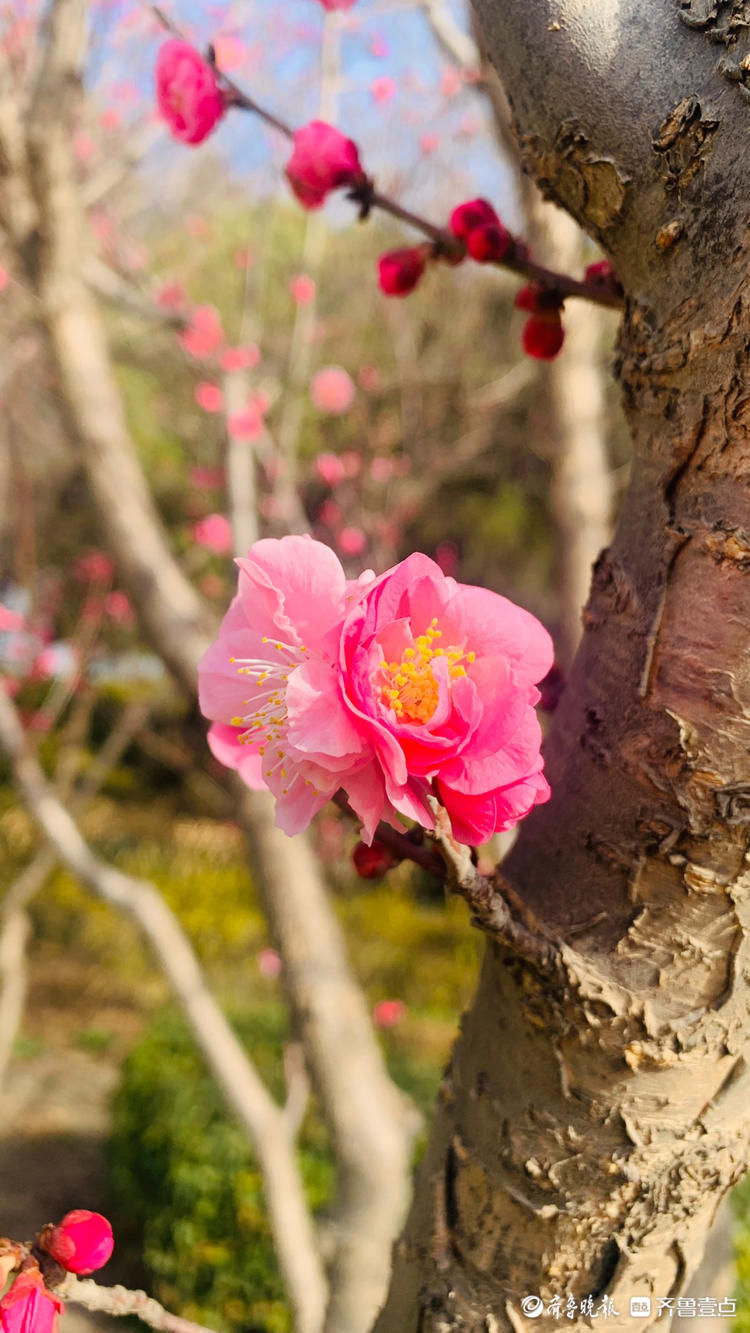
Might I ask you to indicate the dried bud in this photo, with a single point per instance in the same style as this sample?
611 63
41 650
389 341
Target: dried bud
372 862
399 271
81 1243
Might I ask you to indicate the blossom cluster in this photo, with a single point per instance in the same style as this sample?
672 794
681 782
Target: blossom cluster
192 101
397 689
80 1243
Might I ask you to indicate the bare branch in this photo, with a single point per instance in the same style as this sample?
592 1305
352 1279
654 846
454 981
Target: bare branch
121 1301
226 1057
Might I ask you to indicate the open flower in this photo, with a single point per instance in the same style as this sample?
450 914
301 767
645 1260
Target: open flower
189 97
28 1307
396 689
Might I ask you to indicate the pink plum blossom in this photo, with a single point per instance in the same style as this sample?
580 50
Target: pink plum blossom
9 620
303 289
209 396
171 295
332 5
204 334
383 89
332 390
329 469
214 533
394 688
118 608
188 95
351 541
207 478
323 159
388 1013
28 1306
269 964
241 358
247 424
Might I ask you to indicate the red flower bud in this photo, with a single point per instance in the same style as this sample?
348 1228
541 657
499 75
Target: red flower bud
538 300
28 1307
543 336
485 237
323 159
372 862
189 97
399 271
81 1243
600 274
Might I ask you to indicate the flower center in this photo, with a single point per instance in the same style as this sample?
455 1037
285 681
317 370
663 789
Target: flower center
409 687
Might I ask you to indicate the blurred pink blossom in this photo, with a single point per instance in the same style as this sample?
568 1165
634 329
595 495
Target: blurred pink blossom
303 289
209 396
379 48
351 462
9 620
381 469
329 469
230 51
83 146
206 478
330 513
187 93
332 390
368 378
446 556
247 424
241 358
204 335
171 295
383 89
214 533
351 541
429 143
269 964
244 257
117 605
94 567
450 82
388 1013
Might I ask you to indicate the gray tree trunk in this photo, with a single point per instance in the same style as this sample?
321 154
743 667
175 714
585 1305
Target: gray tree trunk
596 1113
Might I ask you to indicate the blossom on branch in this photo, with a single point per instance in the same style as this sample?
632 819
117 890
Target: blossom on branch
478 226
189 97
399 271
323 159
81 1243
395 689
28 1307
543 333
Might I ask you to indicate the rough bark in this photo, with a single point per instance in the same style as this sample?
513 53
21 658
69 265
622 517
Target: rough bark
596 1112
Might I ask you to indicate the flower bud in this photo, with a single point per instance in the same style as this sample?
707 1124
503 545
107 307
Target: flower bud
323 159
399 271
372 862
478 226
81 1243
543 336
187 93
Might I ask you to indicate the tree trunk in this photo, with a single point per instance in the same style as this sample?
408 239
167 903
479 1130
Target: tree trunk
595 1113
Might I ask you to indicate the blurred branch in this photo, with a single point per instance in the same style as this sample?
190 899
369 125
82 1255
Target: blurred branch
224 1054
297 1088
453 41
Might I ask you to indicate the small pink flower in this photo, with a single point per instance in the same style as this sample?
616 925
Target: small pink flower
446 556
187 92
9 620
330 513
4 278
110 119
351 541
450 82
171 295
197 227
543 334
379 48
332 5
323 160
429 143
270 964
241 358
303 289
28 1306
392 688
351 462
247 424
82 1242
329 469
368 378
244 257
204 335
399 271
332 390
381 469
83 146
214 533
209 396
383 89
388 1013
118 608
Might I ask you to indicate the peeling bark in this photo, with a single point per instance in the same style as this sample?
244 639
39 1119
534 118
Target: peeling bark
596 1111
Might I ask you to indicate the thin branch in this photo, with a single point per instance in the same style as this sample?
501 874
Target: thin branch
121 1301
227 1058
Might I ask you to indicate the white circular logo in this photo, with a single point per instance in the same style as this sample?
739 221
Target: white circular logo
532 1306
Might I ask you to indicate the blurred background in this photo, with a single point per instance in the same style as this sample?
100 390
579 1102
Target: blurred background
266 386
